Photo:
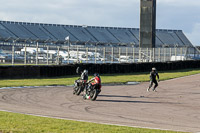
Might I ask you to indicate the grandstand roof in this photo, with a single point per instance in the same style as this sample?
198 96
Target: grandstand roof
46 33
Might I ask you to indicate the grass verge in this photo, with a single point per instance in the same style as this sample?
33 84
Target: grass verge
18 123
106 78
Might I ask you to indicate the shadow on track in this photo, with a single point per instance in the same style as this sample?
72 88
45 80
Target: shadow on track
115 96
126 101
125 96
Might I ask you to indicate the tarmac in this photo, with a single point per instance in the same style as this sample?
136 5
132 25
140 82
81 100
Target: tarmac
175 106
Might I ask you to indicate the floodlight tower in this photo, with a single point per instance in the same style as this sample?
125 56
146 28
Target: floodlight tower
147 23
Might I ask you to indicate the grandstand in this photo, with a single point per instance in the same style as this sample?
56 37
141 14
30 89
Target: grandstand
81 35
38 43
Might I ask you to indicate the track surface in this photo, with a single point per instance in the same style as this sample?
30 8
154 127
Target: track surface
176 105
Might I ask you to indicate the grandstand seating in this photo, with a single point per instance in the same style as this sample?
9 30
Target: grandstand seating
80 33
59 32
123 35
5 33
166 38
38 31
183 38
102 35
86 34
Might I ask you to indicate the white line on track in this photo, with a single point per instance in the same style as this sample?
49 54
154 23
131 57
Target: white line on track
30 87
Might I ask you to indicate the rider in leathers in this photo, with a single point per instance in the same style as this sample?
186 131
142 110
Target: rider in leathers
97 81
83 79
84 75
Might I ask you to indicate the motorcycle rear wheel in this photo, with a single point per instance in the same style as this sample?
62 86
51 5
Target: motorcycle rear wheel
93 94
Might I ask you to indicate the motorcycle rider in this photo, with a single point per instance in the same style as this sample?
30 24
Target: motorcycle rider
83 79
97 81
84 75
153 75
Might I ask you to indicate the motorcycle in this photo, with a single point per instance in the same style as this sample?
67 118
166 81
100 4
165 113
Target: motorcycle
79 86
91 92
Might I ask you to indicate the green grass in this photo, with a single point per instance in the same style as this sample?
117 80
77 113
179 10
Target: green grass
18 123
106 78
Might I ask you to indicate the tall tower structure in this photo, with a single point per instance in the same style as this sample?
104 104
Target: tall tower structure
147 23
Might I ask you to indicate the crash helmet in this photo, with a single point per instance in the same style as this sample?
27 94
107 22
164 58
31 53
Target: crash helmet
96 74
153 69
85 71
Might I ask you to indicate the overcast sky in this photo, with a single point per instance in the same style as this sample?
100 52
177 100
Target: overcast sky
171 14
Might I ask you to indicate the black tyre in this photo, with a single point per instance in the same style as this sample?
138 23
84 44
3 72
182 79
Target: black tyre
77 89
93 94
84 97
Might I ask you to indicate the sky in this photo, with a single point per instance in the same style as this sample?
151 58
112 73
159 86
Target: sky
171 14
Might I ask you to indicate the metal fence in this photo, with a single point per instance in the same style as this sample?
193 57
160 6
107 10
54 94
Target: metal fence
79 54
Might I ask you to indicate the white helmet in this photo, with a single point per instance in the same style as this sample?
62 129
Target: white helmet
153 69
85 71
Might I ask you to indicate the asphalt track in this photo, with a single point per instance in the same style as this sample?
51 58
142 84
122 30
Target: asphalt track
175 105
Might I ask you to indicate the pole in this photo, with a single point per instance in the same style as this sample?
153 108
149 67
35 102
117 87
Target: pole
175 53
150 55
87 55
119 53
104 54
112 54
164 54
25 55
95 54
147 55
139 54
133 54
170 52
68 55
13 54
37 54
47 55
58 56
77 55
153 59
126 54
159 57
181 53
68 50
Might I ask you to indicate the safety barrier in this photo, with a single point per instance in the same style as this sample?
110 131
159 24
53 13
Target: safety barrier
13 72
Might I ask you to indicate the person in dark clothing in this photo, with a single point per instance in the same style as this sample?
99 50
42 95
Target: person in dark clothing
84 75
153 75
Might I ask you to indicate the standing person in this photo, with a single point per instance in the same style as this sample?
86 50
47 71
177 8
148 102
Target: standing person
153 75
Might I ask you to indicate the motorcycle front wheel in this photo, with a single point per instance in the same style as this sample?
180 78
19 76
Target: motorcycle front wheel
77 90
